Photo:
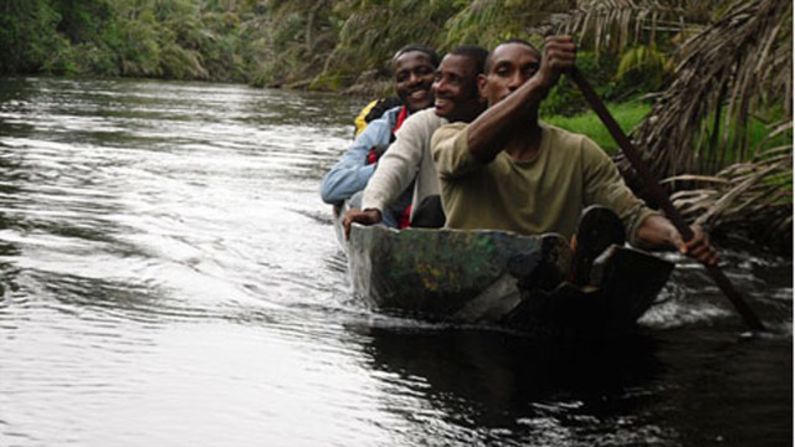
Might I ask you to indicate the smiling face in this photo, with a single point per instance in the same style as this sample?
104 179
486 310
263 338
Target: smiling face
455 89
510 65
413 79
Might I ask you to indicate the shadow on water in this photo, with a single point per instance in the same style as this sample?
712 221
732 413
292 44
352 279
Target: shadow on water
11 174
509 388
666 388
728 389
14 96
8 272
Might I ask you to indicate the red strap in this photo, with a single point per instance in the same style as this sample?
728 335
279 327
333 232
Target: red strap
402 115
405 218
372 156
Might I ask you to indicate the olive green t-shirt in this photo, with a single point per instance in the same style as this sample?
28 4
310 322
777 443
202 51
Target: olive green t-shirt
544 194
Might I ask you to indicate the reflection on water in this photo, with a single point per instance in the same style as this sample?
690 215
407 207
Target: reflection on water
170 277
499 387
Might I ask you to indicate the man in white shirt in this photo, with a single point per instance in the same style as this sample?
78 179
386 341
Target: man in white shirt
409 157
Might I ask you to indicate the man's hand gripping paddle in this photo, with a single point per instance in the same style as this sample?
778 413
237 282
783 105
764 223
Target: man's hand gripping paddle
660 196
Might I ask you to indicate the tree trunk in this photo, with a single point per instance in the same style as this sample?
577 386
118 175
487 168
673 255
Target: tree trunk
309 35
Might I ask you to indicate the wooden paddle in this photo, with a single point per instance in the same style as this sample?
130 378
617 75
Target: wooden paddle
659 195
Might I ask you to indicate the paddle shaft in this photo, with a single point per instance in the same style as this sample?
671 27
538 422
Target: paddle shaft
659 195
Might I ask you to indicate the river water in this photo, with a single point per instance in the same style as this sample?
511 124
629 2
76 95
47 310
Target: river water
170 277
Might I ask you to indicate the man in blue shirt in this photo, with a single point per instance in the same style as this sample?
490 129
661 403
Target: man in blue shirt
414 68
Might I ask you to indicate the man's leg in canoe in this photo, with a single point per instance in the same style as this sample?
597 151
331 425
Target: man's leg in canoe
599 228
429 213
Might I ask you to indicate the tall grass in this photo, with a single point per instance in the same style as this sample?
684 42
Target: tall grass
630 114
627 114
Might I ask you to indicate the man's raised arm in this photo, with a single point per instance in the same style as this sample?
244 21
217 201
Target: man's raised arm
514 88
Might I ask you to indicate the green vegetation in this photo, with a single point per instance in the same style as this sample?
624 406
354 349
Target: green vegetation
719 71
177 39
324 44
628 115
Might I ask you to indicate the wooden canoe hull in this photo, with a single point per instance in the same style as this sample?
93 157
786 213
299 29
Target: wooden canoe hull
438 272
500 278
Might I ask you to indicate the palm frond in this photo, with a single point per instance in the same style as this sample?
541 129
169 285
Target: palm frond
755 196
741 62
614 25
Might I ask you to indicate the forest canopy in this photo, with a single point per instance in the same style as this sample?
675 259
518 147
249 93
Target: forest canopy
320 44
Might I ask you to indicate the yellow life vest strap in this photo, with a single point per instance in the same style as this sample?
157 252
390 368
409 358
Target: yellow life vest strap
359 121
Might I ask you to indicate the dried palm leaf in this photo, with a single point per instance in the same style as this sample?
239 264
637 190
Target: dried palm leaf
740 62
614 25
753 196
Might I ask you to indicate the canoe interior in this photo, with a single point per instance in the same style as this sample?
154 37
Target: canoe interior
625 284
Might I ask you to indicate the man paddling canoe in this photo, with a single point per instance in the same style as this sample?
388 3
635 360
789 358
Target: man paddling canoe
505 170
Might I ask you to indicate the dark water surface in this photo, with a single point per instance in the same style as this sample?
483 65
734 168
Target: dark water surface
170 277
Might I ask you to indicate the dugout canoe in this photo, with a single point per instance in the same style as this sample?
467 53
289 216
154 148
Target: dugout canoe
501 278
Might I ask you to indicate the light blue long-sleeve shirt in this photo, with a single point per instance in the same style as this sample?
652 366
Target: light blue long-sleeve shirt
351 173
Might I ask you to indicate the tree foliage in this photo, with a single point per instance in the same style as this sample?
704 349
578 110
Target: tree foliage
714 66
181 39
27 34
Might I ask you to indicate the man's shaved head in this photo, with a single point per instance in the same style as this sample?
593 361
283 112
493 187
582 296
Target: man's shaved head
508 42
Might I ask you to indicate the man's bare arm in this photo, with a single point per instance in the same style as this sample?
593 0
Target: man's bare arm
486 134
658 232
